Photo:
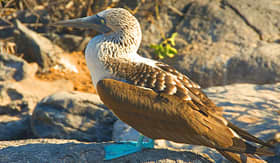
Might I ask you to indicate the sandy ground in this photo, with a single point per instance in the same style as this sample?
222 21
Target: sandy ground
81 79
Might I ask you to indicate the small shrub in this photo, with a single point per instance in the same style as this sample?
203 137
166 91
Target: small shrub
166 47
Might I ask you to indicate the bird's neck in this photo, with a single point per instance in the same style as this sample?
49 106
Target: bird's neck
121 43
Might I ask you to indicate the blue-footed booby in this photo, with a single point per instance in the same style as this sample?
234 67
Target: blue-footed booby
153 97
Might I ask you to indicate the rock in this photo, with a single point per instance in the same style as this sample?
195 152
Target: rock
13 68
72 43
260 16
123 132
54 150
15 104
218 41
20 97
35 47
259 67
15 129
12 100
254 108
73 115
17 101
19 94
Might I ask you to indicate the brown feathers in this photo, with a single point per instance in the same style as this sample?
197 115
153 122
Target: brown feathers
163 116
153 77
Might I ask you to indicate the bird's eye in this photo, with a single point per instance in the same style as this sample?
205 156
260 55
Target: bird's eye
102 21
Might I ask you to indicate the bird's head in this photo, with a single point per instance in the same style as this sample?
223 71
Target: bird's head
106 21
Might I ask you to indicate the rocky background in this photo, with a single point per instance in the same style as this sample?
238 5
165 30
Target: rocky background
49 111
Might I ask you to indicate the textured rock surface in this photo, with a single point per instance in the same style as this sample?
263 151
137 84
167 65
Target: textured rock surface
71 42
14 101
15 106
12 68
35 47
19 93
73 115
13 128
254 108
123 132
53 150
219 42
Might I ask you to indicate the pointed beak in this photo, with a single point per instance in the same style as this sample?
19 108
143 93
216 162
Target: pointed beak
90 22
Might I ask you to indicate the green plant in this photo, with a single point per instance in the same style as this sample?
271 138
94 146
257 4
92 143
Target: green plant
166 47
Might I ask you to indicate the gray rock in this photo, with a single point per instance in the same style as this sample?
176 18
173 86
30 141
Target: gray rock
261 66
251 107
72 43
35 47
53 150
14 100
73 115
15 108
260 16
12 68
123 132
219 42
15 129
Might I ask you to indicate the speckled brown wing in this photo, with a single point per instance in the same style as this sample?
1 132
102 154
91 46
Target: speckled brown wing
157 79
164 79
193 87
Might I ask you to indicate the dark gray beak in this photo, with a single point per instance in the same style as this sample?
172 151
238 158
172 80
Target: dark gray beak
94 22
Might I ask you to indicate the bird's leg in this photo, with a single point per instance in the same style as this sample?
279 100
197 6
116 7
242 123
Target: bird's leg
140 141
150 144
141 144
126 147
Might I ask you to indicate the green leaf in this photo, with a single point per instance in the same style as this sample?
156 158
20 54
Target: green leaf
153 46
174 35
173 50
172 39
170 55
160 56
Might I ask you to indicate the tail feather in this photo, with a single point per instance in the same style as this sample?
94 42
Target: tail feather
245 135
240 146
243 152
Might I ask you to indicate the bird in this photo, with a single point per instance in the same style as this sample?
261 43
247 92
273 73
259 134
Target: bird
153 97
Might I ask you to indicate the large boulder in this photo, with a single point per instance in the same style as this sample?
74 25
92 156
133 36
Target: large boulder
15 108
219 42
73 115
14 128
70 42
254 108
54 150
13 68
35 47
15 103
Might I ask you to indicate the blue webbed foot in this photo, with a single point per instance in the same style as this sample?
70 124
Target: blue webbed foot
126 147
